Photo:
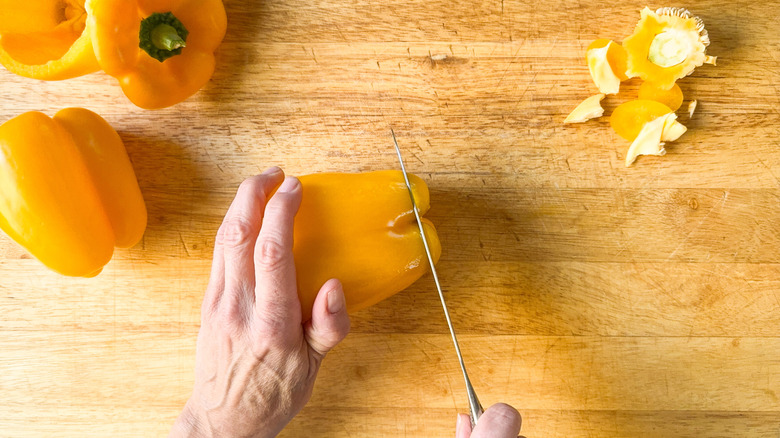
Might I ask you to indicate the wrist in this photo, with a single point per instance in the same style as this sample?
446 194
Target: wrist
190 424
195 423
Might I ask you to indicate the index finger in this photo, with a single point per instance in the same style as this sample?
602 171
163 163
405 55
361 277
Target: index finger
233 278
276 290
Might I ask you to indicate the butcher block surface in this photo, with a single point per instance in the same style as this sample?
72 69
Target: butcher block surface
599 300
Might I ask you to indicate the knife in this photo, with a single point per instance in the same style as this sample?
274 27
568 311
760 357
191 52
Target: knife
475 407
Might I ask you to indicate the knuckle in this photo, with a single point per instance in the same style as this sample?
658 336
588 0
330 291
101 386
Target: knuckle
284 205
207 310
278 206
271 327
235 231
272 255
231 315
253 184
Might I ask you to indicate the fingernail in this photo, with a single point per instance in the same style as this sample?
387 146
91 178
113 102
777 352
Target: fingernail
290 184
335 300
458 423
272 170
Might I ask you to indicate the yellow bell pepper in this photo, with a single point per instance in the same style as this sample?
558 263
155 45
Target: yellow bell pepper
68 193
162 51
45 39
360 228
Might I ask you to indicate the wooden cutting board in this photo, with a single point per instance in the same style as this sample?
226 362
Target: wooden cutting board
601 301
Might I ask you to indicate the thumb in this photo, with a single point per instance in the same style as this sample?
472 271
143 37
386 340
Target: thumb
329 322
498 421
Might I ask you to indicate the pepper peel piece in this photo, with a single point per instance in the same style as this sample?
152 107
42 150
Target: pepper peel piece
589 108
651 139
360 228
68 193
46 39
666 45
174 59
629 118
607 65
692 107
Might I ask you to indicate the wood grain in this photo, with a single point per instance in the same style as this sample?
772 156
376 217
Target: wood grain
599 300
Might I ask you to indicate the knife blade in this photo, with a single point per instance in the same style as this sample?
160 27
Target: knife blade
475 407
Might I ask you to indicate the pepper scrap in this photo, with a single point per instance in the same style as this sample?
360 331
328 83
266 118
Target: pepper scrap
589 108
360 228
68 193
45 39
628 119
673 97
161 52
607 65
667 45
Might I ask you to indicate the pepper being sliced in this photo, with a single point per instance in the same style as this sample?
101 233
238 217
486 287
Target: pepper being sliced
162 52
46 39
68 192
360 228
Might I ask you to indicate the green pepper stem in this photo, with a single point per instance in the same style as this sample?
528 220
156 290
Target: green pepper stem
165 37
162 35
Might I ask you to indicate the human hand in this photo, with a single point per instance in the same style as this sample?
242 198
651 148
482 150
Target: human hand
256 360
498 421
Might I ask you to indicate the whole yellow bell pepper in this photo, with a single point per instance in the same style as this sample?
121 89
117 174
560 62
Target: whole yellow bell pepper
162 51
46 39
68 193
360 228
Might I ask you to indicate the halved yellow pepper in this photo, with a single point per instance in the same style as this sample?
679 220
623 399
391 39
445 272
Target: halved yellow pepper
360 228
46 39
68 193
